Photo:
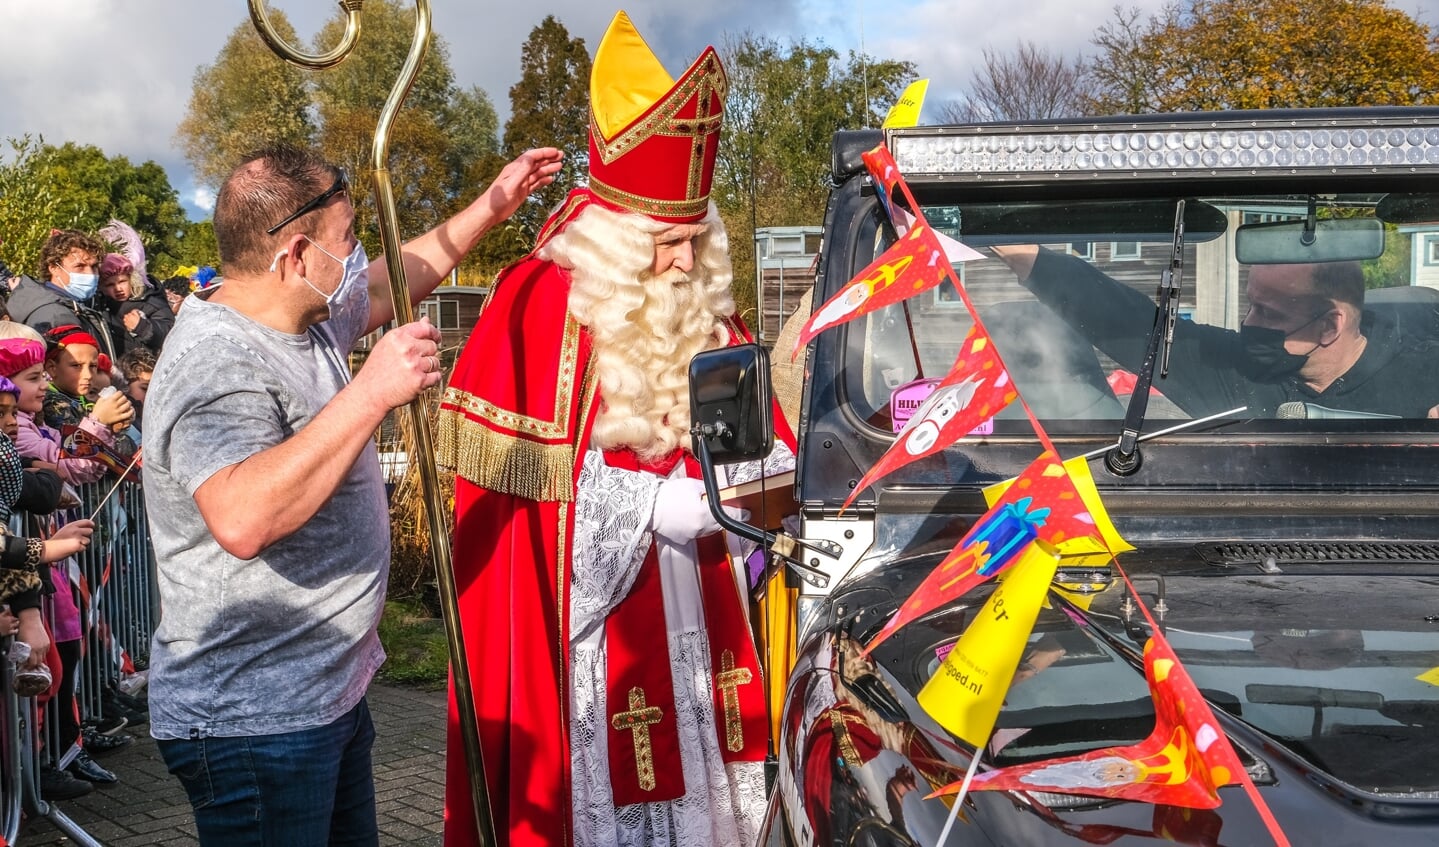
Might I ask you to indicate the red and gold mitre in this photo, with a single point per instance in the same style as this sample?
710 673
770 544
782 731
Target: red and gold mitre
653 140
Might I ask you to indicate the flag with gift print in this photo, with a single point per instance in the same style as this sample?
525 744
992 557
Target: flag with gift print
966 692
1182 763
976 388
1042 502
914 263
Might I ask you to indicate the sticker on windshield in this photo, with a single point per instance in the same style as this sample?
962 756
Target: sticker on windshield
1430 676
905 400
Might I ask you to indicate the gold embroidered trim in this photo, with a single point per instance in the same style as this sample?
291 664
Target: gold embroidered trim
558 426
839 722
729 680
649 205
505 463
704 77
638 720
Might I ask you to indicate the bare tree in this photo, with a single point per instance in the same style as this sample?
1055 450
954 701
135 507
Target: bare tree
1126 72
1029 84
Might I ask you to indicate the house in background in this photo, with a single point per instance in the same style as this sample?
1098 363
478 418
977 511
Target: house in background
453 309
784 270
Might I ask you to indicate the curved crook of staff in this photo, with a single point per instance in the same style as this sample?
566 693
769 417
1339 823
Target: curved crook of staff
424 451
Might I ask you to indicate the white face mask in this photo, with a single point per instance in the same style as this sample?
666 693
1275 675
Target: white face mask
354 283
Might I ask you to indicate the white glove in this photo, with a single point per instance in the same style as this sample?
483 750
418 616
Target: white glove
681 512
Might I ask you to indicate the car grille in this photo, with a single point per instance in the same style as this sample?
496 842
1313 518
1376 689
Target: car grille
1304 552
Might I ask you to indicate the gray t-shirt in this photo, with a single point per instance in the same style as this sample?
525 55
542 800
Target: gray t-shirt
285 641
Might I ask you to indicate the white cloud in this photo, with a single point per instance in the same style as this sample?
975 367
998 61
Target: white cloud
203 198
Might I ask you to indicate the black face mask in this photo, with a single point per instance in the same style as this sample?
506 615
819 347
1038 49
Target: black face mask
1267 356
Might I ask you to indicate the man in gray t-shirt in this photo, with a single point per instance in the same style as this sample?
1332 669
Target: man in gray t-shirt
266 506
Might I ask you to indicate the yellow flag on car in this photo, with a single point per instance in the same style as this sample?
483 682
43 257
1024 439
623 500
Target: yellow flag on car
965 694
905 111
1087 547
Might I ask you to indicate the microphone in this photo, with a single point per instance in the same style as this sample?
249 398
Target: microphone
1295 409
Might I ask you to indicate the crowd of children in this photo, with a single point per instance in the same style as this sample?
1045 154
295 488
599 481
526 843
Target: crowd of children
70 415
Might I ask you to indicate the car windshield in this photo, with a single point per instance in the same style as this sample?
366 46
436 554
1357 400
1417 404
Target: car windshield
1293 306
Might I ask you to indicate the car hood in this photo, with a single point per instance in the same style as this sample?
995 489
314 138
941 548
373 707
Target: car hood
1325 674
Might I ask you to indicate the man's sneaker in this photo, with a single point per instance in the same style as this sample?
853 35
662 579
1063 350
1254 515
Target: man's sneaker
111 725
59 785
97 743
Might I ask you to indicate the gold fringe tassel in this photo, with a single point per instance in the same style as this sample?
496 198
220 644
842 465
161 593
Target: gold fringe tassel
505 463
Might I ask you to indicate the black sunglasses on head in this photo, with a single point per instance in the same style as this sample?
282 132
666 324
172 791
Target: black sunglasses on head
341 185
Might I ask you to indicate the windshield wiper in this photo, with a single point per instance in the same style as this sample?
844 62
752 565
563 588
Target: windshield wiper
1123 458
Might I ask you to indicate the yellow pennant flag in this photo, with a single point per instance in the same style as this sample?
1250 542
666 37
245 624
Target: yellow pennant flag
965 694
1087 550
905 111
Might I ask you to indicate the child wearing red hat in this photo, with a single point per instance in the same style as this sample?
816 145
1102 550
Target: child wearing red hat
73 360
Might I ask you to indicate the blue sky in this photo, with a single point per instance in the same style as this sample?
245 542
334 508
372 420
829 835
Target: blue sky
117 73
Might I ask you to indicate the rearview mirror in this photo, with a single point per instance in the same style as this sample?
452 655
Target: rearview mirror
731 405
1292 243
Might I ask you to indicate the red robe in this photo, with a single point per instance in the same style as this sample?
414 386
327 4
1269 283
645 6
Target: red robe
514 423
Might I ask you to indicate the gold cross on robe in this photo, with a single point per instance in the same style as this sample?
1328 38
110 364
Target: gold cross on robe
638 720
730 679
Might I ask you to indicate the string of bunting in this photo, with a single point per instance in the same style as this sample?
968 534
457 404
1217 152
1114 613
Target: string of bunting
1052 509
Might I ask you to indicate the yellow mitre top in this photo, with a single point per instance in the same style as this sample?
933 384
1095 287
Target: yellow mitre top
626 77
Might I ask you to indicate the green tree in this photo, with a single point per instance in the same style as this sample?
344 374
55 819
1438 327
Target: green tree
29 206
786 100
95 188
247 98
1265 54
549 107
196 246
442 141
79 186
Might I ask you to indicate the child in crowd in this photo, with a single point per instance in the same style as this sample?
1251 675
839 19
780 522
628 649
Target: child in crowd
137 366
72 360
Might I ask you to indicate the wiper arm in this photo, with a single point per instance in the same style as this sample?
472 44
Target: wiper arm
1123 458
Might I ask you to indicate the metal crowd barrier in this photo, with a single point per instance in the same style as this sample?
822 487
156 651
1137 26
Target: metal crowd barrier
119 609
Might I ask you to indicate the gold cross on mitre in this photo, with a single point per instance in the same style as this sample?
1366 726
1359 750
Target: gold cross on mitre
730 679
638 720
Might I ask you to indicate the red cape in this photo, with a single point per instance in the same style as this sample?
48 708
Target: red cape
509 424
520 401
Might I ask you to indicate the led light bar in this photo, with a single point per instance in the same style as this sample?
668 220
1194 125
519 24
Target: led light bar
1209 147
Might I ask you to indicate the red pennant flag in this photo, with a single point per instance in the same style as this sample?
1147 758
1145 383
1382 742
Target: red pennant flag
1182 763
914 263
1042 503
976 388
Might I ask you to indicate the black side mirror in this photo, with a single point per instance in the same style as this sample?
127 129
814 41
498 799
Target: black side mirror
731 404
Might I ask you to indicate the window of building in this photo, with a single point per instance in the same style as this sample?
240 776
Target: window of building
449 314
946 296
1123 251
1432 255
1082 249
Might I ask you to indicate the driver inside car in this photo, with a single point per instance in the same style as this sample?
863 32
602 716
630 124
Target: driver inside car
1306 339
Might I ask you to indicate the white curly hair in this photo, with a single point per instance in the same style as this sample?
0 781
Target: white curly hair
645 327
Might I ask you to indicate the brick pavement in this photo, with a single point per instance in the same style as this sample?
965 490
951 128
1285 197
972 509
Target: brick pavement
148 807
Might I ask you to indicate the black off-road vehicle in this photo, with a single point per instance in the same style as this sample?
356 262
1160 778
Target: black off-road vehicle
1281 481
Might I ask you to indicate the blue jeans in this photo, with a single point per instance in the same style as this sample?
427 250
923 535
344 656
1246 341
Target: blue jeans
310 788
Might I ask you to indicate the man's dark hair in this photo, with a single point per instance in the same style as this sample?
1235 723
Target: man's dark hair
59 245
269 184
177 285
136 361
1342 282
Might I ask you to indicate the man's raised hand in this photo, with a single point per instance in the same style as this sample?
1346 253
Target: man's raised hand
531 171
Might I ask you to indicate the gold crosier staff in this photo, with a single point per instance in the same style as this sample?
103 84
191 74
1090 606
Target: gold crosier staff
424 451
